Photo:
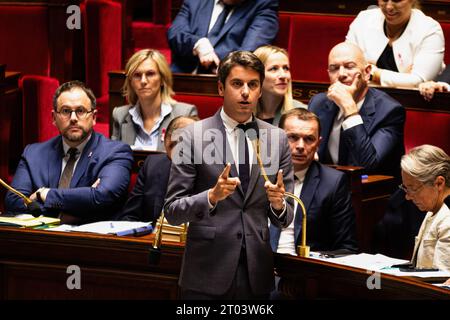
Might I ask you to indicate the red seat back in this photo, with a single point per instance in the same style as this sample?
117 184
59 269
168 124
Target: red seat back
206 105
24 41
423 127
311 38
37 93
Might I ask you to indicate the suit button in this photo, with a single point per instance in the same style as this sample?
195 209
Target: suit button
239 235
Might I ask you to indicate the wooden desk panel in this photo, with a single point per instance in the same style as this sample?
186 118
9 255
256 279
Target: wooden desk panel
33 265
311 279
111 267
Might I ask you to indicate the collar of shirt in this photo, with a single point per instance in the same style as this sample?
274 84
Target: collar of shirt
300 175
80 147
136 117
229 123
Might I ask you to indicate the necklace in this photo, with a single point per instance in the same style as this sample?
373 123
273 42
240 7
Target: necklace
392 36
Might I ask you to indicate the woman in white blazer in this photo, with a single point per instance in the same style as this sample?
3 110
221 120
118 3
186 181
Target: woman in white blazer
148 89
404 46
426 181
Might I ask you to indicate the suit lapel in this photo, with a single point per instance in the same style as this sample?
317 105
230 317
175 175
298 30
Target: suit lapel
368 110
309 187
128 131
82 164
54 164
222 146
235 17
204 16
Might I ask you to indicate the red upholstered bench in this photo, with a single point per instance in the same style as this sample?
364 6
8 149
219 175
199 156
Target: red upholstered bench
206 105
37 95
311 37
423 127
446 29
103 48
24 38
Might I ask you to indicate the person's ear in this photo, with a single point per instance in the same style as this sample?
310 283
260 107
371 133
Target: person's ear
220 88
54 117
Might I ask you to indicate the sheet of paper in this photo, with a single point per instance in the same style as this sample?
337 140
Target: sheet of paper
105 227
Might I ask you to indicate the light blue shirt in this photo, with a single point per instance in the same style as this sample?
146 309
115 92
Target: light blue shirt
147 140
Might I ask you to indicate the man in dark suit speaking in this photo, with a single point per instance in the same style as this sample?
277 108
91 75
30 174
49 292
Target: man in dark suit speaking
216 186
79 176
204 31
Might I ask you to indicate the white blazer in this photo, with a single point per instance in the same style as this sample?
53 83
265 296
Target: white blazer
433 241
418 53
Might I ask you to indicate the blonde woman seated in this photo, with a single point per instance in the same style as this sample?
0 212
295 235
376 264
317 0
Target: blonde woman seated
276 96
426 181
404 46
148 89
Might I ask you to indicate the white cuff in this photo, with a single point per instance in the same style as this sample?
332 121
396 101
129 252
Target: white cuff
352 121
202 47
282 213
211 207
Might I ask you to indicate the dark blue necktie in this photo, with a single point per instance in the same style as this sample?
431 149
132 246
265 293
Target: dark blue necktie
343 151
220 22
244 162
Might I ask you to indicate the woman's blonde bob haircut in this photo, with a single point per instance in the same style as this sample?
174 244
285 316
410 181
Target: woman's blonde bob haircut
263 53
163 68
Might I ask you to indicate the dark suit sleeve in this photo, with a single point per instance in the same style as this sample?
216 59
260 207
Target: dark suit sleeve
182 204
288 179
372 152
264 27
133 209
342 217
114 179
181 38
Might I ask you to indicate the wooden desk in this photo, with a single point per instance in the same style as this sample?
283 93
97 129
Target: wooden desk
311 279
33 265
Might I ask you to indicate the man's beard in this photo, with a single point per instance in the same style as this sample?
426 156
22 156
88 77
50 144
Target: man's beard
75 137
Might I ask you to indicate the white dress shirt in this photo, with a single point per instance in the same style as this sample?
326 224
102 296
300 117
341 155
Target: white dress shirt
286 243
335 134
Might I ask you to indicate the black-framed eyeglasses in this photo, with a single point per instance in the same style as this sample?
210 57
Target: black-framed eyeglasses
81 113
410 191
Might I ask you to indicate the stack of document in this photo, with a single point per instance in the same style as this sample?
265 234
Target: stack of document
120 228
28 221
383 264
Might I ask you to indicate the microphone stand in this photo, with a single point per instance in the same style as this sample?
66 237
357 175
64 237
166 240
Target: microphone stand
155 250
32 206
302 249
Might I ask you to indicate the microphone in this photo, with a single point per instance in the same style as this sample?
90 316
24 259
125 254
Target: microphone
155 250
32 206
253 135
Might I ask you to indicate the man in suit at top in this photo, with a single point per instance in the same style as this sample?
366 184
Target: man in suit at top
204 31
323 190
146 201
80 175
216 186
361 126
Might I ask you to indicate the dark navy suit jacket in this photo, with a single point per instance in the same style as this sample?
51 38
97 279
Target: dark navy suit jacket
330 217
104 159
252 24
146 201
377 144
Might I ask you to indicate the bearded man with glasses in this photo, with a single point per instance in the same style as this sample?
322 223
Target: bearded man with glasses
79 176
